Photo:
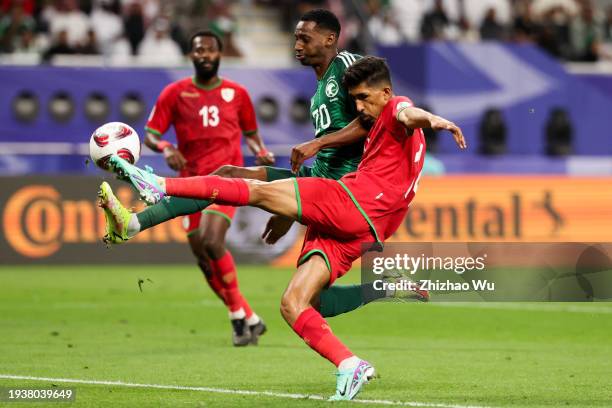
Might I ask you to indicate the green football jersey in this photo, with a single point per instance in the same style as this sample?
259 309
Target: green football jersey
331 109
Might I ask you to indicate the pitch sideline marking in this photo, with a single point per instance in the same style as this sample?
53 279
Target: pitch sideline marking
226 391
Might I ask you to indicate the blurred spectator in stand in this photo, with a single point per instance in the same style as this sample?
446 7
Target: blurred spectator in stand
66 16
90 46
409 14
120 52
157 46
60 45
607 27
134 25
223 23
28 44
13 26
382 26
107 24
524 28
27 6
490 28
542 7
586 34
553 35
176 31
435 22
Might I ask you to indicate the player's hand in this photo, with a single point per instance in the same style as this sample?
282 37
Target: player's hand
266 159
174 158
303 152
276 228
439 123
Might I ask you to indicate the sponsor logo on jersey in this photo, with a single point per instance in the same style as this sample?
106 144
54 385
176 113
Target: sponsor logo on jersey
186 94
331 89
228 94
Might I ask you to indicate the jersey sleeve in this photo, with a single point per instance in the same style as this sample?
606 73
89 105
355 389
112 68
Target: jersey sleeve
391 115
246 114
399 103
161 116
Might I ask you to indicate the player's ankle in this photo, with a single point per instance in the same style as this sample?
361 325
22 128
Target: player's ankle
162 183
253 319
133 227
348 363
237 314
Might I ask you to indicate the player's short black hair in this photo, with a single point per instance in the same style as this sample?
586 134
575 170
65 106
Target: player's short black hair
324 19
372 70
206 33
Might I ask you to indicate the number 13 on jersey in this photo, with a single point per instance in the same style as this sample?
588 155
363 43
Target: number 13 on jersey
210 115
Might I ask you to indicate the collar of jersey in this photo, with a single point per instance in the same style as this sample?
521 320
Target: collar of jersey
328 67
194 80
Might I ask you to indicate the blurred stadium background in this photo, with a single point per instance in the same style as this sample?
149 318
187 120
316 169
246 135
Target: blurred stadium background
530 82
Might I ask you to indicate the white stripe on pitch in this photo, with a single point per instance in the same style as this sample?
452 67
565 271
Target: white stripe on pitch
225 391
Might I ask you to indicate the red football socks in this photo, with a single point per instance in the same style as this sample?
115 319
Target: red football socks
225 191
214 281
247 308
225 269
311 327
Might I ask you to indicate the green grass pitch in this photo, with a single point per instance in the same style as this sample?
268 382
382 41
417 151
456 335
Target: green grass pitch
93 323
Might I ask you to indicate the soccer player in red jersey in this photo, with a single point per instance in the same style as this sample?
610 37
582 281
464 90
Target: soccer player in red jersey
363 207
210 115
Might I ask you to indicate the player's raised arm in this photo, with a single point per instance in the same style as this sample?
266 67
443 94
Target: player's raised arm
416 118
351 133
159 121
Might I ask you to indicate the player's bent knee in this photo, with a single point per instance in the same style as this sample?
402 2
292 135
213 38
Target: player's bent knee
213 247
292 305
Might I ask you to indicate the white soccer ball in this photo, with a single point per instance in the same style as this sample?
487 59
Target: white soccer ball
114 138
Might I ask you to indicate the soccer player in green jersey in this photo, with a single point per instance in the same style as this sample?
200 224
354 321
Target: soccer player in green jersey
338 145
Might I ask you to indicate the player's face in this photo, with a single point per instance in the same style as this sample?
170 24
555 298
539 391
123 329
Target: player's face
205 56
370 101
311 42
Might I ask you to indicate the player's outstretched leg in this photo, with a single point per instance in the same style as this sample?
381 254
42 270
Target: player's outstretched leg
122 224
277 197
298 311
166 209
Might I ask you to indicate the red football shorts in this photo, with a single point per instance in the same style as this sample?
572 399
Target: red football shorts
191 222
336 228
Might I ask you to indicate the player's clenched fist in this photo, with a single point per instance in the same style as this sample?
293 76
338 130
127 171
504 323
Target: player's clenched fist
174 158
303 152
265 158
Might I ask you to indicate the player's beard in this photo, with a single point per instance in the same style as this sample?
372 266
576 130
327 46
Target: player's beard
206 73
366 121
